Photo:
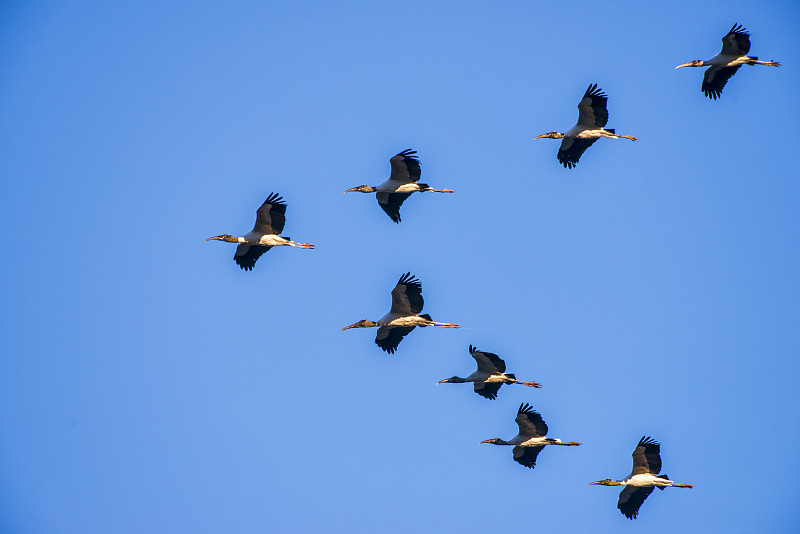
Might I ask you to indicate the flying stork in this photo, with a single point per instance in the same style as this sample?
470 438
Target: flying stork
735 46
491 374
403 317
270 218
644 477
403 180
592 119
531 438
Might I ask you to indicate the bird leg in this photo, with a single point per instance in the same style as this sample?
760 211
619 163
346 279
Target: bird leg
570 443
682 486
447 325
305 245
632 138
531 384
443 191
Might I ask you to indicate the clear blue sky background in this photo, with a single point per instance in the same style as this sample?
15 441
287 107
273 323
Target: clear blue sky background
147 384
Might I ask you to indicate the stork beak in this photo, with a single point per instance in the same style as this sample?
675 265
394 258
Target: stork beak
684 65
445 380
486 441
539 137
593 483
351 190
348 327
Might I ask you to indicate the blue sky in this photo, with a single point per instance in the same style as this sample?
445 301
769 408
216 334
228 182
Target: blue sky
147 384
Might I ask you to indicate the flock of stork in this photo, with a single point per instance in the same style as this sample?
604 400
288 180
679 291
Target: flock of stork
407 302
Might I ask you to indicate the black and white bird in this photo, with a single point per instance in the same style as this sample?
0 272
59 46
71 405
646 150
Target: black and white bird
270 218
531 438
735 46
592 119
644 477
403 180
491 374
403 317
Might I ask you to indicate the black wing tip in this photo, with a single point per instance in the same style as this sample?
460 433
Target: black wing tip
409 280
408 153
594 92
647 440
275 198
737 29
526 409
473 350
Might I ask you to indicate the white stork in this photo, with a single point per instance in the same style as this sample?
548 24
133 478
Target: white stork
403 317
531 438
644 477
735 46
592 119
403 180
491 374
270 218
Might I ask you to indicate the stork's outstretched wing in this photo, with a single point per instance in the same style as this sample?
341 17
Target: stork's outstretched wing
736 42
715 79
407 296
571 150
631 499
487 362
405 167
389 337
487 390
530 422
271 216
527 455
247 255
391 202
592 109
647 457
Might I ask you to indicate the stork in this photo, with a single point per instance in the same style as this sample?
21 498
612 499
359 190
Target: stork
735 46
644 477
403 180
491 374
592 119
531 438
270 218
402 317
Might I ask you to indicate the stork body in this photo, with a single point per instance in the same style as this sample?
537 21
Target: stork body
403 317
735 46
270 219
402 182
531 439
643 478
592 119
489 376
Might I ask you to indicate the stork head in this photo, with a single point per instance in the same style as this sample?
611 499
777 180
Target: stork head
223 237
495 441
606 482
695 63
549 135
363 323
362 189
452 379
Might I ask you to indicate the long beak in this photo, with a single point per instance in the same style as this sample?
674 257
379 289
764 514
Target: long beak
210 238
684 65
540 137
348 327
593 483
445 380
351 190
486 441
